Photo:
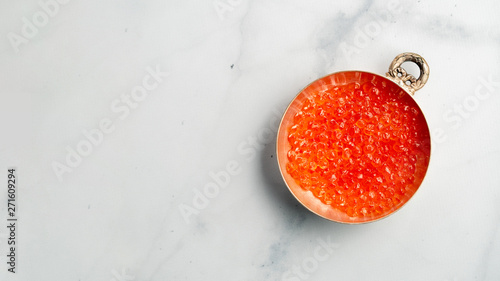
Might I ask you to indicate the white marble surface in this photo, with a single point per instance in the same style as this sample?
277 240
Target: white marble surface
223 72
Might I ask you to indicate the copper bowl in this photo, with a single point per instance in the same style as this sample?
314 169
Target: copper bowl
397 79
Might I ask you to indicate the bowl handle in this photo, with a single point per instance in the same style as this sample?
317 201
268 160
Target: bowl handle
405 80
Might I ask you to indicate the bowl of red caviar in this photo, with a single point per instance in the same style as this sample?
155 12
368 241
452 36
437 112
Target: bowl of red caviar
353 146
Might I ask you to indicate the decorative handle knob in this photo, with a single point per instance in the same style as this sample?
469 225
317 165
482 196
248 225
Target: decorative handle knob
401 77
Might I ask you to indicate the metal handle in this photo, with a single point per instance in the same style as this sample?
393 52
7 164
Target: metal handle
401 77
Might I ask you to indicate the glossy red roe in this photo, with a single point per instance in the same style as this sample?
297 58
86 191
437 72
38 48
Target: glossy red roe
360 148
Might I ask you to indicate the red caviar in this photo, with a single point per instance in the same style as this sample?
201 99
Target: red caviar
363 149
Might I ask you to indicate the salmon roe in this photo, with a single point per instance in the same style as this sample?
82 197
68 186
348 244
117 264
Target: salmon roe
361 148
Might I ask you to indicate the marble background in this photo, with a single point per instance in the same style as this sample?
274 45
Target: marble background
119 114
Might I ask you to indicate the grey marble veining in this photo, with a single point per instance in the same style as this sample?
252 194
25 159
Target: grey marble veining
144 138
